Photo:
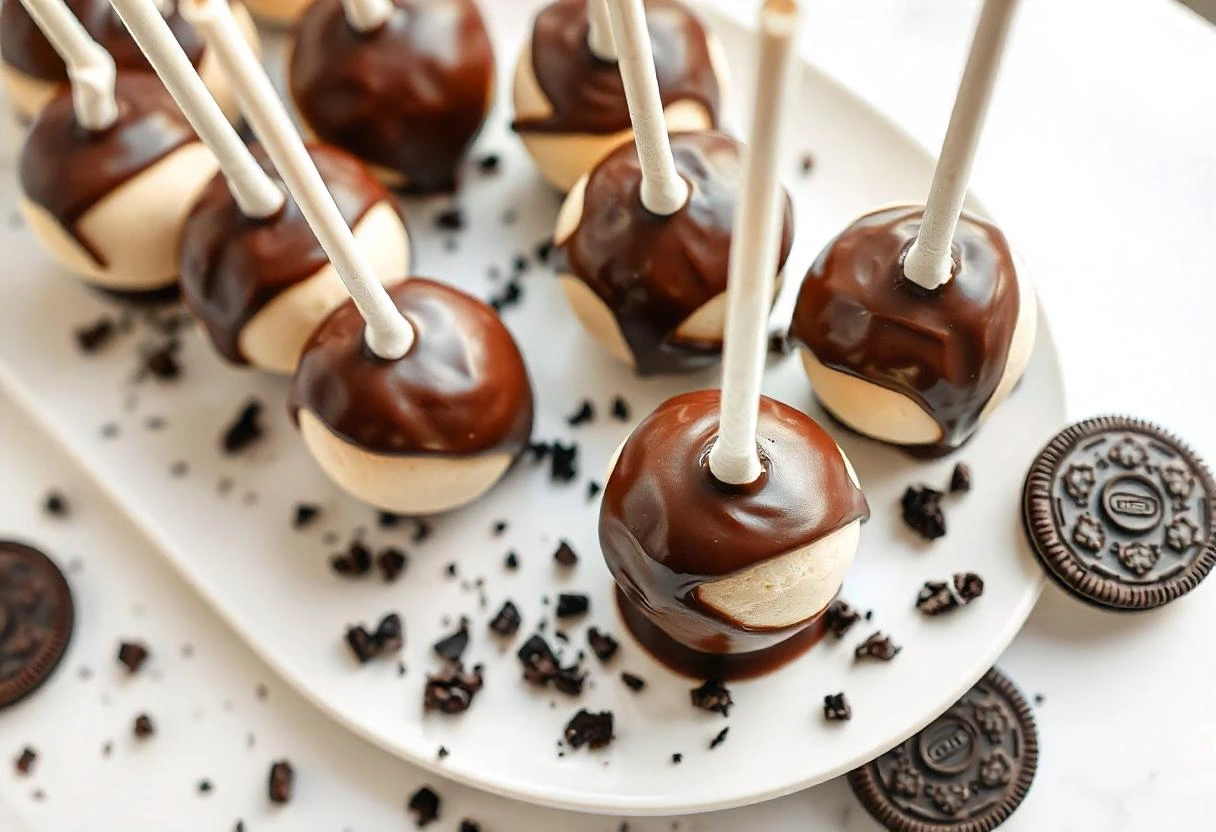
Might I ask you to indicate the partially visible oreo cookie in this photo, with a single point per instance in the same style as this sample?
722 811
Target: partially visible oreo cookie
966 772
1121 513
36 618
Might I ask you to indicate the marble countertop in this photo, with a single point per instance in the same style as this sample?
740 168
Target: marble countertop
1100 162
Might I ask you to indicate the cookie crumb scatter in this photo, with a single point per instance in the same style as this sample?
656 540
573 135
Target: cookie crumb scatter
960 479
593 489
968 586
840 618
451 219
282 779
603 645
424 806
132 656
634 683
422 530
582 416
620 409
677 758
55 504
391 562
161 362
450 569
91 338
143 727
107 749
489 163
594 730
877 646
356 560
304 516
511 561
452 689
499 527
507 621
572 604
467 825
544 251
1039 699
719 738
205 787
245 430
563 461
511 294
836 708
442 753
452 647
388 520
712 696
922 511
25 761
565 554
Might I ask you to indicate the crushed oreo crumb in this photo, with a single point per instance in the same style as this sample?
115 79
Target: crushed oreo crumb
450 569
565 554
620 409
132 655
356 560
592 730
388 520
443 752
488 163
55 504
92 337
361 643
593 489
25 762
935 598
204 787
634 683
968 586
719 739
245 430
451 219
422 530
544 250
677 758
506 622
282 778
960 479
563 460
143 727
572 604
452 647
603 645
806 164
390 634
877 646
467 825
712 696
512 293
511 561
424 806
392 562
451 690
922 511
836 708
499 527
584 414
305 515
161 362
840 618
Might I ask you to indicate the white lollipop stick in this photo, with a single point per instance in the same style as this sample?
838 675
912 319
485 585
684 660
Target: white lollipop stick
755 250
389 335
929 262
599 35
664 191
90 68
367 15
255 193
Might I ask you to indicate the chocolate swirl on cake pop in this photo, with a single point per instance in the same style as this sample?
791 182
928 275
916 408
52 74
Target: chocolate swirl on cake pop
66 169
653 272
945 349
233 265
586 92
26 48
461 390
667 529
410 96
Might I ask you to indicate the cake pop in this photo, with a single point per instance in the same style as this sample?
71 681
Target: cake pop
33 70
252 272
405 85
728 546
917 322
110 168
570 107
415 400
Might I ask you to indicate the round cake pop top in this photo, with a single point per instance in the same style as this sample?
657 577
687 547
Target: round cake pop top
408 97
949 355
110 204
723 568
651 288
252 282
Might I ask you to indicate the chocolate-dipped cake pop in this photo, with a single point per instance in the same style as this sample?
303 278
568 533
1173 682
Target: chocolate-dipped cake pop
570 107
646 234
109 169
414 402
405 85
728 546
917 322
33 70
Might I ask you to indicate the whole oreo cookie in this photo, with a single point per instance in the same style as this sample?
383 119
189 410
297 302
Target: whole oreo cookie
1120 511
966 772
36 618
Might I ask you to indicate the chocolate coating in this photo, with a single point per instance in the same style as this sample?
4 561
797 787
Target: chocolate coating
233 266
410 96
586 93
462 389
653 272
667 525
25 48
945 349
67 169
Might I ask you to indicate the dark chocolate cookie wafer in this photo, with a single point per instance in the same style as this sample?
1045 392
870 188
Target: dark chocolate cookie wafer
967 772
1121 513
36 617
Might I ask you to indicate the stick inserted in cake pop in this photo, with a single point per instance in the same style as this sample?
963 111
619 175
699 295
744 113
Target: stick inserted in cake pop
254 192
755 251
90 68
389 335
929 262
599 31
367 15
664 191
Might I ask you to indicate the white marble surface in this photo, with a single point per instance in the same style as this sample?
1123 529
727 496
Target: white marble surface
1101 163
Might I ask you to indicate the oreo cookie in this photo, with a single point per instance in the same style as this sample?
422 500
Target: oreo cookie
1121 513
36 618
966 772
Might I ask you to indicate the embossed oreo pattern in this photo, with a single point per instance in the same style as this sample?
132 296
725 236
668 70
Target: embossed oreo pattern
967 771
1120 511
36 618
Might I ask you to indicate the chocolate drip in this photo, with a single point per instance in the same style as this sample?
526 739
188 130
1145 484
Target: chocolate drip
26 49
945 349
462 389
586 93
67 169
410 96
233 265
653 272
667 526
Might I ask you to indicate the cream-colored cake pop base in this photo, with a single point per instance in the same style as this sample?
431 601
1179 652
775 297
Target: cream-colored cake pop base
563 157
274 338
135 228
894 418
401 484
28 95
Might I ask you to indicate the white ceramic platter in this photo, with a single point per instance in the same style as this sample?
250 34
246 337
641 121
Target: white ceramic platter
273 585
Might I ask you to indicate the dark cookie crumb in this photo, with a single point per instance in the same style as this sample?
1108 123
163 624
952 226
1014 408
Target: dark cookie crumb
467 825
282 778
451 219
107 748
593 489
569 680
499 527
356 560
143 727
489 163
388 637
161 362
968 585
55 504
603 645
442 753
92 337
836 708
391 562
592 730
935 598
563 462
450 569
132 655
806 164
780 342
506 622
584 414
305 515
245 430
922 511
634 683
424 806
620 409
512 293
677 758
541 666
712 696
511 561
572 604
544 250
719 739
840 618
1039 699
205 787
25 762
960 479
565 555
452 647
388 520
361 643
422 530
452 689
877 646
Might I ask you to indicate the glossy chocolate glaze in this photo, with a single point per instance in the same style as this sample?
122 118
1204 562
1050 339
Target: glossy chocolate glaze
945 349
653 272
586 93
66 169
26 49
232 266
410 96
667 526
462 390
